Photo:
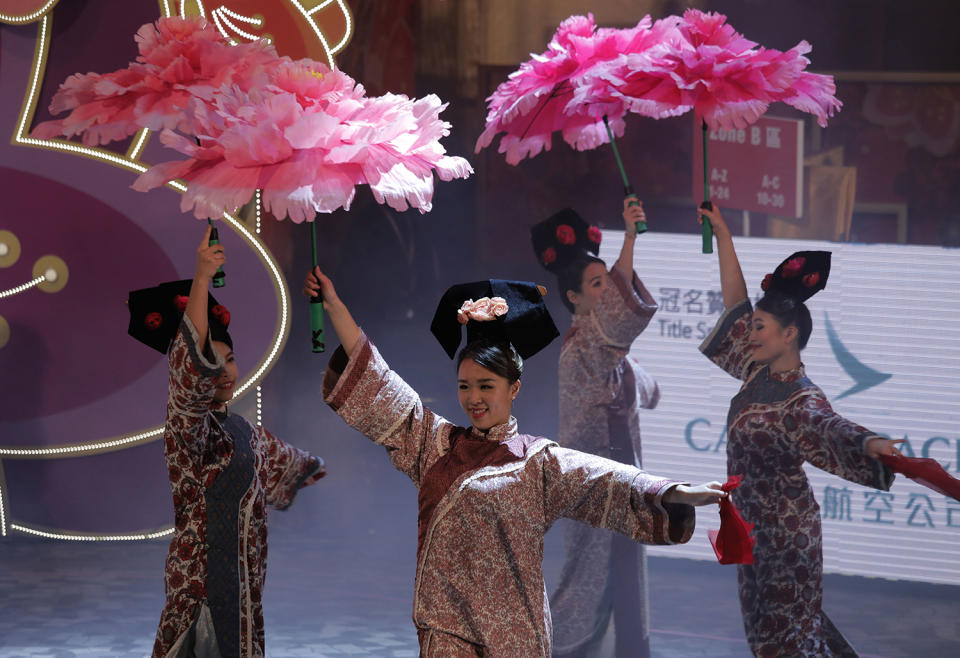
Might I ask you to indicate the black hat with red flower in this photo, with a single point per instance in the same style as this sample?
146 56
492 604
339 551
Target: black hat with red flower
562 238
800 275
155 315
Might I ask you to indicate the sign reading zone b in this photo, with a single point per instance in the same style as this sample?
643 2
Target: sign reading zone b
758 168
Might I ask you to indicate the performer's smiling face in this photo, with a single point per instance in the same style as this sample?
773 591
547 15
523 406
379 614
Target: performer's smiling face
486 396
592 283
228 378
769 339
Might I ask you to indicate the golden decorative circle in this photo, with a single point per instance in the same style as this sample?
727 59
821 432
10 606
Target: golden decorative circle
9 249
51 266
4 332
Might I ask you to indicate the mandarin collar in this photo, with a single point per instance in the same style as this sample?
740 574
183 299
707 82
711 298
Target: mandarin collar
791 375
499 433
580 318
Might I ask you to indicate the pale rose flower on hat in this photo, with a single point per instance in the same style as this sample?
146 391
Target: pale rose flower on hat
482 310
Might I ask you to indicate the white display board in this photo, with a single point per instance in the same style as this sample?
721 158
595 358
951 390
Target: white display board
885 349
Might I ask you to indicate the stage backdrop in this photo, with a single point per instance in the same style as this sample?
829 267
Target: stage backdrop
885 349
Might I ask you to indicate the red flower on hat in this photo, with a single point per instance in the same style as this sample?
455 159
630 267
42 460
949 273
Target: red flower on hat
548 256
594 234
221 314
811 279
180 302
767 280
565 234
793 267
153 321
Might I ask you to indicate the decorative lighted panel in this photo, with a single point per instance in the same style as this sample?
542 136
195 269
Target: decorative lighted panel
282 22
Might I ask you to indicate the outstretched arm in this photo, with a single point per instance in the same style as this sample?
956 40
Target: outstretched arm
343 323
707 493
731 277
839 446
622 498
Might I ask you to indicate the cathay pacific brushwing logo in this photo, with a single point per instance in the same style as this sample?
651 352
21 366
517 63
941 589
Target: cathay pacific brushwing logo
864 376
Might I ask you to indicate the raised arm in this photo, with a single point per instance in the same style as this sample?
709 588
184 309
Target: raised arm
373 399
631 215
194 365
731 277
343 323
209 259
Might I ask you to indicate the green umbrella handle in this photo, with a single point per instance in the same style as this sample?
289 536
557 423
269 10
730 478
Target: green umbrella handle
316 324
706 230
629 193
219 279
627 187
316 303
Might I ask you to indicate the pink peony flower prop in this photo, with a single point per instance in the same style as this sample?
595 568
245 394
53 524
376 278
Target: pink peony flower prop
250 120
545 94
306 140
726 79
181 59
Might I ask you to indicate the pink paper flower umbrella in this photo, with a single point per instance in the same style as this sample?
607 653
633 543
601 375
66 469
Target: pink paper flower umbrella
543 95
180 60
247 119
306 140
726 79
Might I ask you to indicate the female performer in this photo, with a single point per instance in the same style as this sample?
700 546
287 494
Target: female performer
487 493
778 421
223 472
601 393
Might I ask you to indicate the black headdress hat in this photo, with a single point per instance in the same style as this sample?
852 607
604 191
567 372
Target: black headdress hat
800 275
527 324
155 315
562 238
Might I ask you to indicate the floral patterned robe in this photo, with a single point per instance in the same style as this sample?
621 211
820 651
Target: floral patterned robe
777 422
601 393
223 472
486 502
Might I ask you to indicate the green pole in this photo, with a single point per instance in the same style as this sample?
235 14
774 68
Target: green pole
219 279
706 230
627 187
316 303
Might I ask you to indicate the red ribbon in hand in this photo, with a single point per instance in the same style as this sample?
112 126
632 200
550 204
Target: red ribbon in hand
925 471
732 542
